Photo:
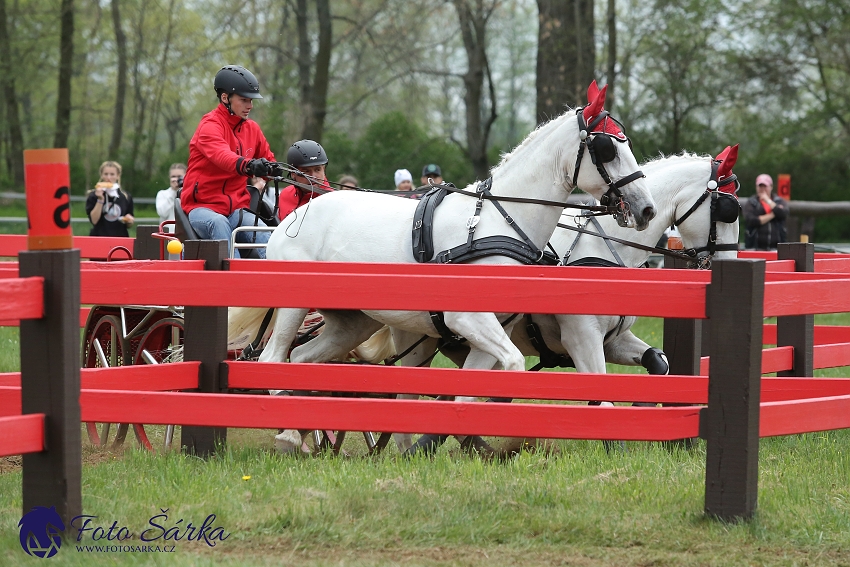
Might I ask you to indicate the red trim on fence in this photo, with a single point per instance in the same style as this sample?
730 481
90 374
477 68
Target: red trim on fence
401 416
824 334
832 265
143 377
769 334
772 360
445 293
466 382
84 315
779 389
570 272
757 254
21 298
10 400
90 246
806 297
832 356
804 416
22 434
780 266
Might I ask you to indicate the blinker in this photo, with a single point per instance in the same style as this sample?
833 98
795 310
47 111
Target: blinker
603 148
726 208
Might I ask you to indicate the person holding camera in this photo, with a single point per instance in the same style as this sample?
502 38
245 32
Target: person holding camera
226 150
165 198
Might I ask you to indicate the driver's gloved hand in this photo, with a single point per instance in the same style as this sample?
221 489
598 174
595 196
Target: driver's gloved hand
276 169
258 167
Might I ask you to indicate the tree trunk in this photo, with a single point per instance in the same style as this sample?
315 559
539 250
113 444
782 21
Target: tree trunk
7 83
314 86
565 55
121 82
66 64
611 75
473 28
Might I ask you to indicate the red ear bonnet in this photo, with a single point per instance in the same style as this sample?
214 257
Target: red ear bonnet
727 159
595 105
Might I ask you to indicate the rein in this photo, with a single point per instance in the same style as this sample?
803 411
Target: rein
687 255
490 197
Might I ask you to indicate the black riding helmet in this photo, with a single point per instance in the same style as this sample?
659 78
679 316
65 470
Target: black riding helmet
306 153
233 79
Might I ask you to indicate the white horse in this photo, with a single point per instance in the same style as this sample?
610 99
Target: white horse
352 226
677 184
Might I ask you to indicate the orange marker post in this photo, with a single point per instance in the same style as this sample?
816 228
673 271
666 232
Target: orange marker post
783 186
47 178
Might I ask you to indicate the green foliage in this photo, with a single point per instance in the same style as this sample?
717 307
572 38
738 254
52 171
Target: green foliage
392 142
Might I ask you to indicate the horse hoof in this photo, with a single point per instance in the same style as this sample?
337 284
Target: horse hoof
477 444
288 442
427 445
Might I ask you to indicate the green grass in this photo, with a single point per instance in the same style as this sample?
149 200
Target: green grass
567 503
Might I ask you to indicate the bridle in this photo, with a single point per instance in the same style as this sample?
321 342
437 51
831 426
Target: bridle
600 146
724 208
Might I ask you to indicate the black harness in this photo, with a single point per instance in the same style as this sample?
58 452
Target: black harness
724 208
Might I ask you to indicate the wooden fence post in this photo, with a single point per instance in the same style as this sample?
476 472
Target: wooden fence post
50 383
730 423
798 331
145 246
682 337
205 339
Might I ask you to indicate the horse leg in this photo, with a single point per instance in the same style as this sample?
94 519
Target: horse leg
343 331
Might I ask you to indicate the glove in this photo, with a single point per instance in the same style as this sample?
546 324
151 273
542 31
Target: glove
258 167
276 169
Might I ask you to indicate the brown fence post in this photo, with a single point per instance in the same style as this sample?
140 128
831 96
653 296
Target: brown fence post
50 383
146 247
682 337
798 331
205 339
730 423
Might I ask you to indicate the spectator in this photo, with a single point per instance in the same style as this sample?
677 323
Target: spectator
348 182
403 180
109 208
165 198
310 159
226 150
431 171
764 216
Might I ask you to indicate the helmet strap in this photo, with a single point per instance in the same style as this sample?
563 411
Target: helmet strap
227 104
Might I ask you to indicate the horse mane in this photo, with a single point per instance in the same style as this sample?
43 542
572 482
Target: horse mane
531 136
677 158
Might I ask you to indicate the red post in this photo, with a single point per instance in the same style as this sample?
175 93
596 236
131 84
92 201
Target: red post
47 179
783 186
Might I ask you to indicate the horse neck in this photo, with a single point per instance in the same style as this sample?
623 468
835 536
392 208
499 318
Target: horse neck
672 182
536 170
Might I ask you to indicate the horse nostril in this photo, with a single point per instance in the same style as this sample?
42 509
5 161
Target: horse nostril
649 213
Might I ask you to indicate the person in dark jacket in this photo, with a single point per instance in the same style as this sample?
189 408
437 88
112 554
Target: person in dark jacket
764 216
226 150
108 206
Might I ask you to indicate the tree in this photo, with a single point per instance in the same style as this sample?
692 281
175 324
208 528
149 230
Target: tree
565 55
66 67
314 89
474 16
121 87
7 83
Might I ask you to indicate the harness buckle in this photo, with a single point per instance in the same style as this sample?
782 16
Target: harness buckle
509 219
472 222
417 225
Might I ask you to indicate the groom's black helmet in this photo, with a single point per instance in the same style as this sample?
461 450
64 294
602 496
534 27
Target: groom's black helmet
306 153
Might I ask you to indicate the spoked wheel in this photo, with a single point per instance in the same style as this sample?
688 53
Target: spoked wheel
105 348
327 440
156 347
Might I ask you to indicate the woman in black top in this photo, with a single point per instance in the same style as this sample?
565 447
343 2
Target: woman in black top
108 207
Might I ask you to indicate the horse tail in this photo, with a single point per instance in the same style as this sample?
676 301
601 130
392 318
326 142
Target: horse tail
243 324
378 347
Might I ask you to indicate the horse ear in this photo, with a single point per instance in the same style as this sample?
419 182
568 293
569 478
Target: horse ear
727 159
595 101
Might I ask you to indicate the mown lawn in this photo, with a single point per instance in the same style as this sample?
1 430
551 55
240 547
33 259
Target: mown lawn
564 503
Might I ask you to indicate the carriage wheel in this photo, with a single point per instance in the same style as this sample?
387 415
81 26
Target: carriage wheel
157 346
105 348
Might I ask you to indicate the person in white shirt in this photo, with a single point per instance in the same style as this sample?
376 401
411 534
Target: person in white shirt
165 198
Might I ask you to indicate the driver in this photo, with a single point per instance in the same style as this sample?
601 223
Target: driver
226 150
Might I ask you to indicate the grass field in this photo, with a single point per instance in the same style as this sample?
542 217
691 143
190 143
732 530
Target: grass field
561 503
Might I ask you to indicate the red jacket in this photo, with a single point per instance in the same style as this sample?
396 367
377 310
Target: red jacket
218 153
292 197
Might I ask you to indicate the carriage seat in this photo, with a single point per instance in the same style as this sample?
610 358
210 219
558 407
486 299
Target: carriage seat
182 227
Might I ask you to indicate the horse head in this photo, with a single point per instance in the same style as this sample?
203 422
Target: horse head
707 210
612 175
